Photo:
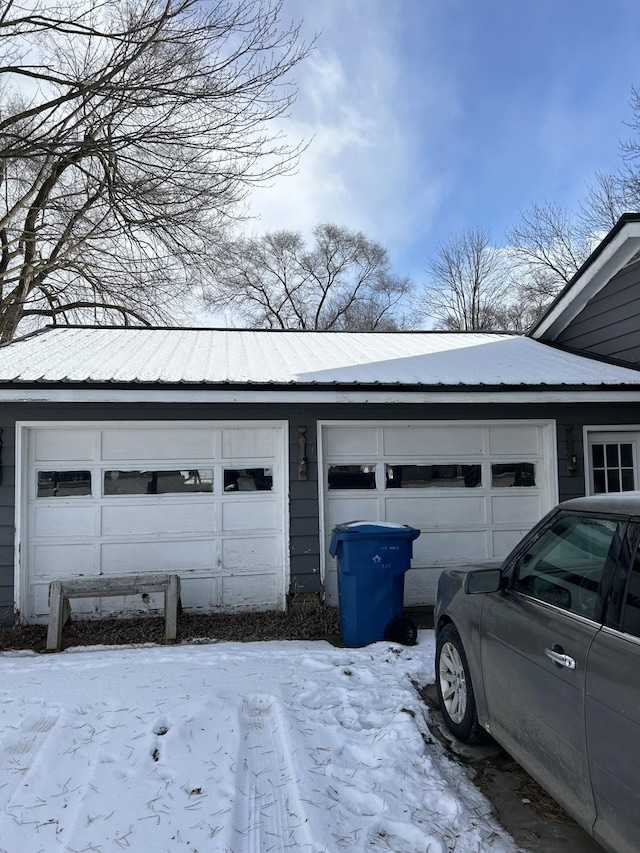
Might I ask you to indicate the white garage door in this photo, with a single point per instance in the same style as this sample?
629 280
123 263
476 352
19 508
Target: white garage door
472 489
205 500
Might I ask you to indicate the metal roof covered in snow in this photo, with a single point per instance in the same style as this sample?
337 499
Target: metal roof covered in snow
158 356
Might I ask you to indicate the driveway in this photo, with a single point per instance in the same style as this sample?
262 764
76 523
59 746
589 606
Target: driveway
536 822
230 748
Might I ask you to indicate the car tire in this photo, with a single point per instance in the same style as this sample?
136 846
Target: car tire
454 688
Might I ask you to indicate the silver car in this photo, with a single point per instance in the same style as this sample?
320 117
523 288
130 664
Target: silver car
543 654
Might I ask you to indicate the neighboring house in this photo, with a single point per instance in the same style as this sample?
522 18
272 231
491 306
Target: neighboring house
229 455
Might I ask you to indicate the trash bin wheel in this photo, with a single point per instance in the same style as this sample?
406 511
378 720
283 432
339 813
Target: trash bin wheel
401 630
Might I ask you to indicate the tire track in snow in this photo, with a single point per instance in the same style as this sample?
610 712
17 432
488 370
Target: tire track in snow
20 749
23 753
53 760
268 816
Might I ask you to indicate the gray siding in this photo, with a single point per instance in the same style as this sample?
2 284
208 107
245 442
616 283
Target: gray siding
609 325
304 516
7 515
303 507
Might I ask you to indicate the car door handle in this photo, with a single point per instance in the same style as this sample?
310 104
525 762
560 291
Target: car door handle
560 658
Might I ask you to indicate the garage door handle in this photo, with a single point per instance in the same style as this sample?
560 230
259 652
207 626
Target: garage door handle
560 658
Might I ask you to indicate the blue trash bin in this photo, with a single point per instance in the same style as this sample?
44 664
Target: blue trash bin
372 560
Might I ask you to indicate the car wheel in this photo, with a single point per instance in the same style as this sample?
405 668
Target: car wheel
454 687
401 630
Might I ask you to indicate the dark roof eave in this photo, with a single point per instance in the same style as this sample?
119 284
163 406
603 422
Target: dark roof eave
310 387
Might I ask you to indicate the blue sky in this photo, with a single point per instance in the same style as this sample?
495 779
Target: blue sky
426 117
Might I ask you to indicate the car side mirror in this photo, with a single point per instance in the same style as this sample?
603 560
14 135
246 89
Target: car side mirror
483 580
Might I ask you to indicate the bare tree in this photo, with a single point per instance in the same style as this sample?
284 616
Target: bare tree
548 247
129 132
630 152
468 286
340 282
613 194
607 198
524 306
550 243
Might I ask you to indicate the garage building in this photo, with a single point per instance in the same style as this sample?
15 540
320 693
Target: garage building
227 456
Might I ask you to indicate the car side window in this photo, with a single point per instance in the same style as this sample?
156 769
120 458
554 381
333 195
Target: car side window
631 612
565 565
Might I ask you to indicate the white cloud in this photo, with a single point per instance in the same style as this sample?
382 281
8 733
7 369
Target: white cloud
373 129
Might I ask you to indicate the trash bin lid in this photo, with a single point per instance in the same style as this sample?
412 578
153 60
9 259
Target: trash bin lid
374 530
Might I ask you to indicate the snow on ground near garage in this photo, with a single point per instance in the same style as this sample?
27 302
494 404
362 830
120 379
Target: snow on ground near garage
230 748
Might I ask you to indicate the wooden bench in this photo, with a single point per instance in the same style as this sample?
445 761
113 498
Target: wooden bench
60 591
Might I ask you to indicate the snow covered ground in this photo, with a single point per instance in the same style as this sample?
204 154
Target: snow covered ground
230 748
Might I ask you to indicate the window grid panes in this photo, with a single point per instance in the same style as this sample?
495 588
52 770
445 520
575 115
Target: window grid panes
612 467
437 475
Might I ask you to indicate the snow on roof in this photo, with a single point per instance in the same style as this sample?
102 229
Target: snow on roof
70 354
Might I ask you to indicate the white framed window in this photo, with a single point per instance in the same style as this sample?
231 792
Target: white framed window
611 459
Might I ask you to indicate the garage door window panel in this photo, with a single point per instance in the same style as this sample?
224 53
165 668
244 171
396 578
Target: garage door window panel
63 484
352 476
185 481
248 480
447 476
510 474
565 565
